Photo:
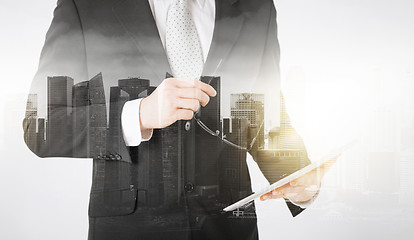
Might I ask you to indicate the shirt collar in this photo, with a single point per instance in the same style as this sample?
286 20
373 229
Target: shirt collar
200 3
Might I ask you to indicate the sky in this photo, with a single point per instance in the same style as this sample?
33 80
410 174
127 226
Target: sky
355 57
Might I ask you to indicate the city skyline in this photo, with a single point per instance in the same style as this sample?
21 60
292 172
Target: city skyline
163 177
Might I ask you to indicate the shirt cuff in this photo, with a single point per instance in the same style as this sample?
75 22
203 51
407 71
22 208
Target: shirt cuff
131 125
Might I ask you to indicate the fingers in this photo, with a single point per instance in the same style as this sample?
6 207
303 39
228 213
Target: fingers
192 89
303 188
313 177
296 193
194 93
189 104
174 99
266 196
184 114
275 194
209 90
205 88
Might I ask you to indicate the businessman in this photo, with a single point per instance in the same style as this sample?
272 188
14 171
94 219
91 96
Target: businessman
233 39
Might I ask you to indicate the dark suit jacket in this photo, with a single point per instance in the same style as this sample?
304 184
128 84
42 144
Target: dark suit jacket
120 39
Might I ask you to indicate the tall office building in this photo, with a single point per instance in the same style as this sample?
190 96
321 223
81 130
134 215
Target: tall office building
146 167
250 106
114 138
59 110
41 134
286 153
97 126
80 93
31 106
31 115
97 116
205 153
135 87
172 166
89 118
289 138
118 171
274 138
234 175
127 89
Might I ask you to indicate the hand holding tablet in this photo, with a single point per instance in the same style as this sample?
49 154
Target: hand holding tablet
295 179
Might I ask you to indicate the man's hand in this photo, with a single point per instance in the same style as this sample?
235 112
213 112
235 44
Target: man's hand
174 99
302 189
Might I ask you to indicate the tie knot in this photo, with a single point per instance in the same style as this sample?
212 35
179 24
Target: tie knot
182 2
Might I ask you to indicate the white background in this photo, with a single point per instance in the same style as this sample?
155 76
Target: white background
357 60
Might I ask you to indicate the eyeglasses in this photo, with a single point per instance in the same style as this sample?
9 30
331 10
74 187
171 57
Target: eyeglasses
217 134
222 138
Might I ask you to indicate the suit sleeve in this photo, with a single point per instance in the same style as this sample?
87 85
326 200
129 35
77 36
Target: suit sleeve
270 73
63 58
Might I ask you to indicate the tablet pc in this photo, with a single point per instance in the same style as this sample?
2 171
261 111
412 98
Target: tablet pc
329 157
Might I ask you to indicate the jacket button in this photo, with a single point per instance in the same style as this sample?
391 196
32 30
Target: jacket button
189 187
187 126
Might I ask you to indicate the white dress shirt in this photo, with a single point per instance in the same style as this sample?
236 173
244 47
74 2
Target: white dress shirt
203 14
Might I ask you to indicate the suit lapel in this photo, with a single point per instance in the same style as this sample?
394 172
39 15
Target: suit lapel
136 17
228 23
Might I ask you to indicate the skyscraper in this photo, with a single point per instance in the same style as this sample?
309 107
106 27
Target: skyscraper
116 101
59 109
127 89
97 116
289 138
89 117
234 175
250 106
41 134
80 115
135 87
171 163
146 167
31 107
205 152
31 114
